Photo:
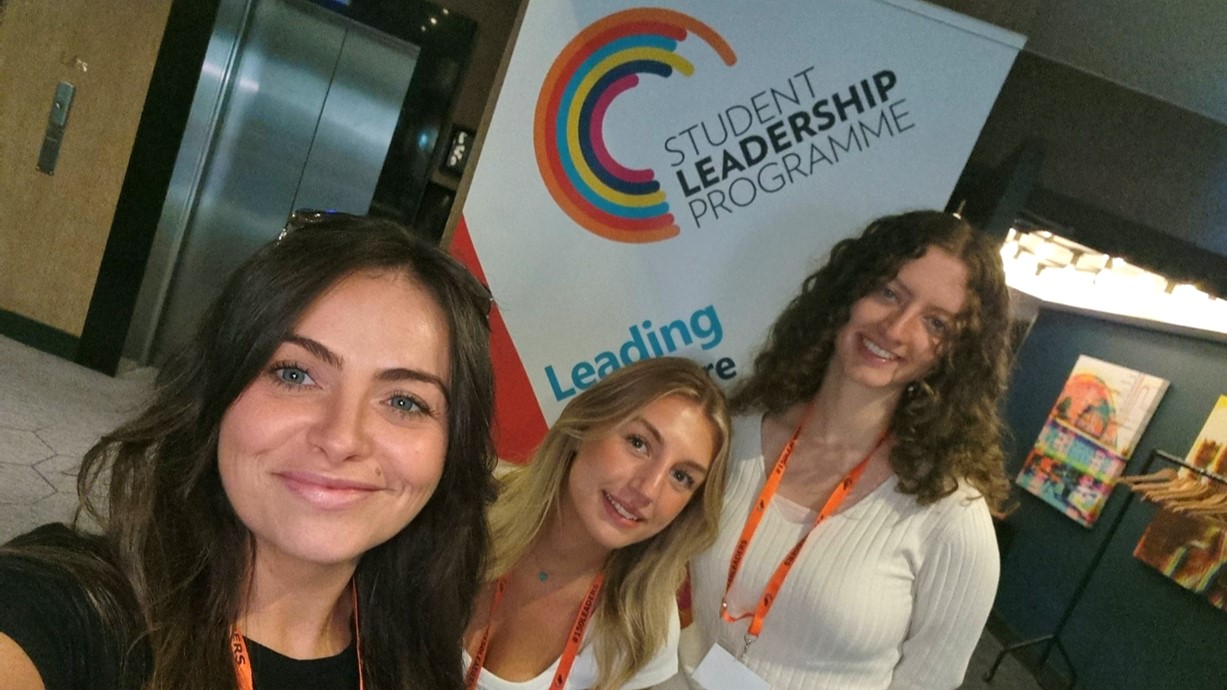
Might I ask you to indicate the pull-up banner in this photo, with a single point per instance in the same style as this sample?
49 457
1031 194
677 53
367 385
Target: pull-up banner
657 180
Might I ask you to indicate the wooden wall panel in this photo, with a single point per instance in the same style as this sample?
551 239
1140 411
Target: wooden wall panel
53 228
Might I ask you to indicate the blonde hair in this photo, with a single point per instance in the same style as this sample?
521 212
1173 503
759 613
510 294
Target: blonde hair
641 580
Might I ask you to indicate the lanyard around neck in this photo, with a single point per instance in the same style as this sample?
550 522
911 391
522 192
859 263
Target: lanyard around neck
569 652
242 660
767 600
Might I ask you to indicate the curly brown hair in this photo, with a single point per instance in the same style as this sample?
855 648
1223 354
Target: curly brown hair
948 424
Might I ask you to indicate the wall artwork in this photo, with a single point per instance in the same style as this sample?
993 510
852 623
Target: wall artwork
1190 546
1089 435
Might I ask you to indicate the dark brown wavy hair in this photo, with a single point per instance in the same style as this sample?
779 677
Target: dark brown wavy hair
170 535
948 424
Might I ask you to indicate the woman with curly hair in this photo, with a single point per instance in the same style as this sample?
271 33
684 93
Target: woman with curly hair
302 502
856 547
590 540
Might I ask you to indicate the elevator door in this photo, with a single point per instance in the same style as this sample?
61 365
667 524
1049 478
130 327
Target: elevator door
307 104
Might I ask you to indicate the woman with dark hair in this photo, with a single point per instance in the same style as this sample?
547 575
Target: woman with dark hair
856 548
302 502
591 538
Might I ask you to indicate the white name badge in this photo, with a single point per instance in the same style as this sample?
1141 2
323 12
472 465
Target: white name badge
719 670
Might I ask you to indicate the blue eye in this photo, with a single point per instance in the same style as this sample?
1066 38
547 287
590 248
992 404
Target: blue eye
291 375
407 404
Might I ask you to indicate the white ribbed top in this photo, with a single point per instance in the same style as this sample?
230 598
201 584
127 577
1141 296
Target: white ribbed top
584 672
886 594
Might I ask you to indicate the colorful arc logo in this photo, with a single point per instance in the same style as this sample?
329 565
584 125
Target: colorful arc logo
602 62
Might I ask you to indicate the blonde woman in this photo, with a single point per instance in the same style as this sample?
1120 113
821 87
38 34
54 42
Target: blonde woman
591 538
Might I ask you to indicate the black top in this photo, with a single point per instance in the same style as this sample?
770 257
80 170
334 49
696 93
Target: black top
272 671
53 622
50 617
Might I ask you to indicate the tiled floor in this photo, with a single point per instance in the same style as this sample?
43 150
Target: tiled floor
52 411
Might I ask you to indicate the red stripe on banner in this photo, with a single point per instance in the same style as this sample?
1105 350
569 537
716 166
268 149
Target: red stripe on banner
519 424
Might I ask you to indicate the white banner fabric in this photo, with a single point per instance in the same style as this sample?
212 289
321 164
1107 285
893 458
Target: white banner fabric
658 181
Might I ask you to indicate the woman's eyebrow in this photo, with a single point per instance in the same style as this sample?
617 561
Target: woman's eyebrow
316 348
660 440
405 374
321 351
900 285
695 466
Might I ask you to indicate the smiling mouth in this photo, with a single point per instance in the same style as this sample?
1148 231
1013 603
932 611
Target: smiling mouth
326 492
620 509
877 351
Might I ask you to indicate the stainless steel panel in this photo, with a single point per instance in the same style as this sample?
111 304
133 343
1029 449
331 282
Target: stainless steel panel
190 166
272 102
359 117
295 108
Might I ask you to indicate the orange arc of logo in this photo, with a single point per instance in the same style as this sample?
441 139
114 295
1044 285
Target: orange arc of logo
568 199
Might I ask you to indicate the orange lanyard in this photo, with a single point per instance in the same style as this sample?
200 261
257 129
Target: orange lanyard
569 652
242 660
756 515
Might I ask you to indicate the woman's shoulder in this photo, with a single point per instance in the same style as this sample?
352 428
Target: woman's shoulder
49 612
966 500
962 511
63 556
961 517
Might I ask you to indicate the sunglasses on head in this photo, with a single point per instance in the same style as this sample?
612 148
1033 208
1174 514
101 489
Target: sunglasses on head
308 216
305 217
